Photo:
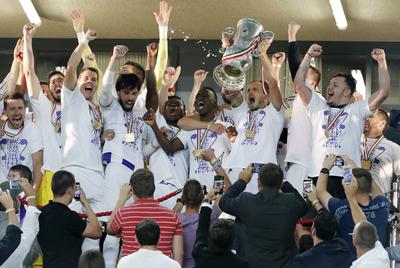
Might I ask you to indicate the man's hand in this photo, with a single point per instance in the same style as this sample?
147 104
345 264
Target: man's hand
125 192
150 118
83 198
293 28
78 20
29 30
6 200
208 155
378 54
278 58
311 196
231 132
246 174
171 76
263 46
314 50
90 35
217 127
18 50
347 161
162 17
199 76
27 187
119 51
152 50
211 195
329 161
351 188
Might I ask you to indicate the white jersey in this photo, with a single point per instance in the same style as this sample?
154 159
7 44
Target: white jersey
171 171
204 139
140 102
345 127
17 147
48 118
385 161
266 126
130 130
79 134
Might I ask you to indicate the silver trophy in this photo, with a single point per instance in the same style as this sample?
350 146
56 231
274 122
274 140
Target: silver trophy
239 47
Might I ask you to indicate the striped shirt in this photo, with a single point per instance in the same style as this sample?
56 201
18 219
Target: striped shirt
126 219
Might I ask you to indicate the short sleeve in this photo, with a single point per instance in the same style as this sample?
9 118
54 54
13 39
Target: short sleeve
36 139
75 224
183 137
363 109
396 159
334 204
117 220
69 96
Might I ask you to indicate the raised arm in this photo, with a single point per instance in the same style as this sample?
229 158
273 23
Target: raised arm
93 227
71 78
162 18
171 76
32 81
193 122
322 183
376 99
300 80
277 60
209 156
119 52
152 95
269 76
351 193
199 77
294 56
14 73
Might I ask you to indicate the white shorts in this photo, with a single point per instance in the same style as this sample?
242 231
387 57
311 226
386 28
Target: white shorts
115 176
92 182
295 175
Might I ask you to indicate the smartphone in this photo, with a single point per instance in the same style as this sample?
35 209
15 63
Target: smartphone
77 194
256 167
339 161
347 175
219 184
307 186
204 189
15 184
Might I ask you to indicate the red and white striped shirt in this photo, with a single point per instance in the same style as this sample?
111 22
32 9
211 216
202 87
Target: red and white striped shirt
126 219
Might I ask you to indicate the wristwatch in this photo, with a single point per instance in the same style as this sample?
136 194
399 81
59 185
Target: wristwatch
325 171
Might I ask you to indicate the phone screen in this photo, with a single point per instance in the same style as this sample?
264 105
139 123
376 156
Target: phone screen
219 184
339 161
77 194
256 167
307 186
347 175
15 184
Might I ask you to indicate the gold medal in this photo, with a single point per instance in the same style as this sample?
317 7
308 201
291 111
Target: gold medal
327 133
249 134
57 127
129 137
366 164
197 152
97 125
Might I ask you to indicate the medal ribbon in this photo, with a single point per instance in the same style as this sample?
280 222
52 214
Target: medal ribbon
201 139
252 119
332 122
95 114
9 134
367 153
58 118
176 134
129 121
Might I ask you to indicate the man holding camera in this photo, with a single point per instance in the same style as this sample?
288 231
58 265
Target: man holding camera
337 122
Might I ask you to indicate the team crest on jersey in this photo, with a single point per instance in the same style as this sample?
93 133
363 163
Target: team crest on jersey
258 124
12 150
336 131
208 142
138 125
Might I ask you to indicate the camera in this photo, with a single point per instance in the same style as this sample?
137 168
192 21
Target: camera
256 167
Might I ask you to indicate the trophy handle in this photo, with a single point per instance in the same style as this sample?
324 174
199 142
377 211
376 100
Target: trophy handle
267 35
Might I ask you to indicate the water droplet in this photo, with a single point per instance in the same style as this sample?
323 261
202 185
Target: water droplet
204 63
198 42
186 37
172 31
208 55
204 49
206 43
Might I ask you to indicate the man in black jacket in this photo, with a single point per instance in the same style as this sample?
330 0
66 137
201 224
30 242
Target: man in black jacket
213 245
328 251
267 219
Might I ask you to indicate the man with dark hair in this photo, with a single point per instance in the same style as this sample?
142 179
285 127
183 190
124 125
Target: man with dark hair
267 219
358 206
21 142
147 234
370 252
61 229
337 122
213 246
379 155
328 251
47 109
123 220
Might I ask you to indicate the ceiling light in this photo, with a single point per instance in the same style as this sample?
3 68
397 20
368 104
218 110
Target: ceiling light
31 12
338 13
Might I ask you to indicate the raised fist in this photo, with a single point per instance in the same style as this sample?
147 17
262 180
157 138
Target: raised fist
90 35
119 51
200 76
18 55
278 58
314 50
378 54
264 45
171 75
152 49
293 28
29 30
